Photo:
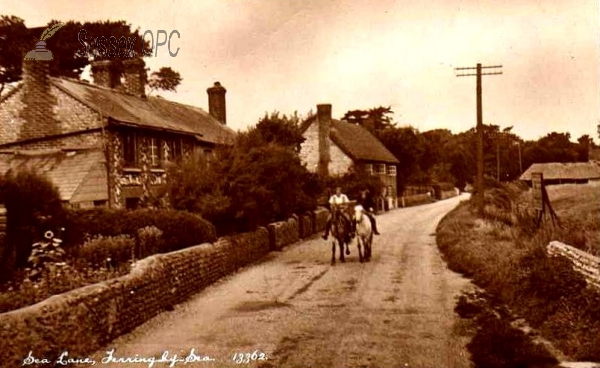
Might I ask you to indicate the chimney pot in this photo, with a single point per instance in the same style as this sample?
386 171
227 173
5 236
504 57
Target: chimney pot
324 122
216 102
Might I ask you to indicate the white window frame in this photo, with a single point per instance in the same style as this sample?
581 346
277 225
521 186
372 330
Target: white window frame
369 168
381 169
391 170
154 152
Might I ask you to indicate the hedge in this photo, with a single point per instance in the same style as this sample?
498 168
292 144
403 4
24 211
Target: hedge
179 229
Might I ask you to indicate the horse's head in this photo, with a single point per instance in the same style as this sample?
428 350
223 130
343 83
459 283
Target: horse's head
358 213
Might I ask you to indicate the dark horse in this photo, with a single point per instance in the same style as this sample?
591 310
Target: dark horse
340 229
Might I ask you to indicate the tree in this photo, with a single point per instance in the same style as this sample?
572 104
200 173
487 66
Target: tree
583 148
257 180
75 46
14 43
374 120
406 145
194 187
33 206
165 79
282 130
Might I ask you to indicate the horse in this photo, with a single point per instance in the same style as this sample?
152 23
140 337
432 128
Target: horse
340 232
364 233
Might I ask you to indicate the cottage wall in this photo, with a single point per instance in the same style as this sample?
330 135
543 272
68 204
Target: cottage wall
309 153
19 122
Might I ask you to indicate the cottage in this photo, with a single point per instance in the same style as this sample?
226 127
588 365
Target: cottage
107 143
331 147
563 173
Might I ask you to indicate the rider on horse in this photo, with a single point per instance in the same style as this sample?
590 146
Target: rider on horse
336 200
368 204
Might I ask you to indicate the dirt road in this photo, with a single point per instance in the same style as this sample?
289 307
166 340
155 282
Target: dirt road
299 311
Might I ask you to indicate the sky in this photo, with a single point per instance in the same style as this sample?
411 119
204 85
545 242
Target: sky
287 56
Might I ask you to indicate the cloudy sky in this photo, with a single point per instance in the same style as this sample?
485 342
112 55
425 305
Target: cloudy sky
291 55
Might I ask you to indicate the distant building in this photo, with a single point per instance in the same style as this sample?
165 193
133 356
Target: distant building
564 173
103 144
331 147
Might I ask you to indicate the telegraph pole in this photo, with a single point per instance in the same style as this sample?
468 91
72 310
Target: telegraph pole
478 74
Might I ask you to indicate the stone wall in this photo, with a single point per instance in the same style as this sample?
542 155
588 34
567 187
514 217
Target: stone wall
283 233
583 262
306 225
414 200
449 193
86 319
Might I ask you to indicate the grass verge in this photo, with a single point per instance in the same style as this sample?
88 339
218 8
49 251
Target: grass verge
506 256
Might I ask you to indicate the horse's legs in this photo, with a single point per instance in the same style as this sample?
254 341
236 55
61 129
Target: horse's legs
370 245
360 253
332 252
348 248
342 258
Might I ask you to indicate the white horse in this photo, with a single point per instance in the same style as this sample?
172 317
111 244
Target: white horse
364 233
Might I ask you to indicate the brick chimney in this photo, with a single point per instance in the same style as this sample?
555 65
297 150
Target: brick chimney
324 121
105 74
134 71
216 102
38 112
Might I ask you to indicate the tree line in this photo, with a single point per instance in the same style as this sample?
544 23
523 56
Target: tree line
439 156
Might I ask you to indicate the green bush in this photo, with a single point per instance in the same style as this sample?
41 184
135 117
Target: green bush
102 251
179 229
149 242
33 206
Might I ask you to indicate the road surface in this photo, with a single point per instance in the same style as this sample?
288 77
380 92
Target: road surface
296 310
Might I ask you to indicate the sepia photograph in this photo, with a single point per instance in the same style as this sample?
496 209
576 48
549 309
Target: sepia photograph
300 184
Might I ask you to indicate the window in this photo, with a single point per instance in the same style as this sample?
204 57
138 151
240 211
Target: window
174 149
154 152
392 170
369 168
129 148
381 169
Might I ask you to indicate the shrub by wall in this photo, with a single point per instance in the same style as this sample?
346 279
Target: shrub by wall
179 229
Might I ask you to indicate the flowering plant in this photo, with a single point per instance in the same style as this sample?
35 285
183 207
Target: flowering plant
46 255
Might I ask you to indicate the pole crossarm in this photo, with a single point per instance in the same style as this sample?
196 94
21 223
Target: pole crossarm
480 166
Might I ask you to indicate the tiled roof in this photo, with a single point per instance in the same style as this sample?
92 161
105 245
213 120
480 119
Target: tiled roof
149 112
358 143
568 170
66 170
355 141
